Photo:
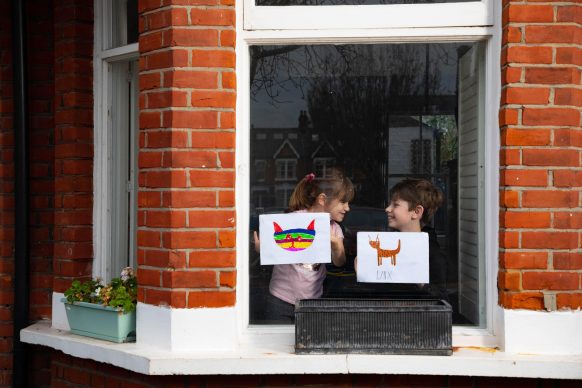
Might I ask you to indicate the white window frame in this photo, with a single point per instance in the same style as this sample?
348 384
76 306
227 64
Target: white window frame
459 22
469 14
103 201
326 166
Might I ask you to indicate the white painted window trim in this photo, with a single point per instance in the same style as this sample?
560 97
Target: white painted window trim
469 14
102 59
487 29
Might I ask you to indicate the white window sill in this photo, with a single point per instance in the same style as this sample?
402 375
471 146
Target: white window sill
279 358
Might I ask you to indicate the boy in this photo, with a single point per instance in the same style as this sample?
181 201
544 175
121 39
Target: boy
413 203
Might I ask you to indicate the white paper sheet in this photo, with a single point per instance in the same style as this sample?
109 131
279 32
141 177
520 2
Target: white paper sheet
295 238
387 257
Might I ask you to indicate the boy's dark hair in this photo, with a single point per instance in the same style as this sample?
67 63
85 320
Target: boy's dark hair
335 185
418 192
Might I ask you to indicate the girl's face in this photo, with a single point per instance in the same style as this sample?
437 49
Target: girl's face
401 218
337 209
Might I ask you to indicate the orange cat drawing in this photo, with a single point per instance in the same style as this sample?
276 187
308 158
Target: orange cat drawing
384 253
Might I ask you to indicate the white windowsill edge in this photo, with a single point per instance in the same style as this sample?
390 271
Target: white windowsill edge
281 359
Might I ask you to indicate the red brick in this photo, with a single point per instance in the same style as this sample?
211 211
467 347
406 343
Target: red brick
514 95
212 259
166 139
166 99
165 259
567 178
226 198
212 17
552 76
211 219
568 55
166 59
228 279
171 298
151 42
164 219
213 58
511 75
511 35
191 79
568 220
228 80
509 280
568 96
227 38
549 199
189 240
524 177
525 136
147 199
192 159
150 159
523 260
149 238
550 280
569 301
568 260
551 157
189 198
210 178
553 34
213 139
569 13
509 157
551 116
508 117
150 120
530 13
529 54
149 277
227 120
190 279
218 99
190 119
227 159
549 240
524 300
163 179
226 239
211 299
166 18
525 220
509 199
188 37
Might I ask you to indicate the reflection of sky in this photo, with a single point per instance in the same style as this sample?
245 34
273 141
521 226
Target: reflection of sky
305 64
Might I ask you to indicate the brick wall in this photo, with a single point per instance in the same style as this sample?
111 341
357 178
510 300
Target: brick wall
541 143
186 216
6 195
73 137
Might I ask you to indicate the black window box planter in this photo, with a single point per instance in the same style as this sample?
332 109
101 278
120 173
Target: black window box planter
376 326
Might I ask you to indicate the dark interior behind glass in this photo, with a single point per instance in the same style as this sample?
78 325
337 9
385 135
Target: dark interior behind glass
381 112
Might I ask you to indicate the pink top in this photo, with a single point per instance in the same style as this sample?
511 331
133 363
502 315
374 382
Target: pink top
290 282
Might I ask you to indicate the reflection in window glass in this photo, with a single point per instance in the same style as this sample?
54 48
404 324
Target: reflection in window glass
123 23
381 113
354 2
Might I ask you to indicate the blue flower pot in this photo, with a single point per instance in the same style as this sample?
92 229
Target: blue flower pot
102 322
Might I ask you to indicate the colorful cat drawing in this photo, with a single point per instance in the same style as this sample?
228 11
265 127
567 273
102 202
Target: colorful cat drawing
294 239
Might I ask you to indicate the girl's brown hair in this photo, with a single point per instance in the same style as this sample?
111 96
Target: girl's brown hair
418 192
336 185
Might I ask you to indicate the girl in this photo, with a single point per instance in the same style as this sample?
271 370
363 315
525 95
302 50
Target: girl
290 282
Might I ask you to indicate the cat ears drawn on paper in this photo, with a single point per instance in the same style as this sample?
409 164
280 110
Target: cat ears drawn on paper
296 239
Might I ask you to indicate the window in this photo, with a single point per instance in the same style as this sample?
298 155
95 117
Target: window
381 93
286 170
260 168
116 110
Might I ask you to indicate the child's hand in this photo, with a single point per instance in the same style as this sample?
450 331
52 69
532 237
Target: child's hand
338 254
257 241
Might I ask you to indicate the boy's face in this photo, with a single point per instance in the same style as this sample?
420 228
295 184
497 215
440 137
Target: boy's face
401 218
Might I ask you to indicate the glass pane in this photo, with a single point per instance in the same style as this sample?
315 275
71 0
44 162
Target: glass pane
123 24
381 113
354 2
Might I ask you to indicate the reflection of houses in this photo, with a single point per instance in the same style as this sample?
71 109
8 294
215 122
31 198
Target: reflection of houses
281 156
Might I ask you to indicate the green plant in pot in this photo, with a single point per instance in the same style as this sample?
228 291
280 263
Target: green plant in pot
103 311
